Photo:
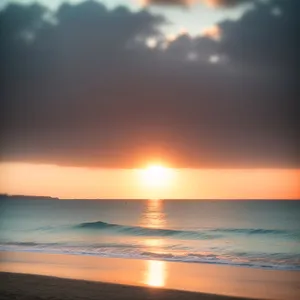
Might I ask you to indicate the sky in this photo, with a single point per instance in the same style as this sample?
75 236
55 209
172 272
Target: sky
194 19
88 183
94 91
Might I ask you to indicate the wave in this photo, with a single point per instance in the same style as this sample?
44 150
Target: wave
207 233
252 231
145 231
284 261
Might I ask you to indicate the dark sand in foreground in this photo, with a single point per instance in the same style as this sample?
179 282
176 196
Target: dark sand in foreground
36 287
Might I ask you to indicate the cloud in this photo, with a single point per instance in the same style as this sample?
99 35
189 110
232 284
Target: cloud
86 90
213 32
260 37
168 2
226 3
211 3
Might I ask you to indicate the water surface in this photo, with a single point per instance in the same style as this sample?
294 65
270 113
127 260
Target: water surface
261 234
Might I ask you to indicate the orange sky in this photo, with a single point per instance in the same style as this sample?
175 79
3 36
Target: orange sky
69 182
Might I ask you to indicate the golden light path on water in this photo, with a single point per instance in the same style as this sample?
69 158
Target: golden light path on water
154 217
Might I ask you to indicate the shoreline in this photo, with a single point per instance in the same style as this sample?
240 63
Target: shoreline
202 279
246 265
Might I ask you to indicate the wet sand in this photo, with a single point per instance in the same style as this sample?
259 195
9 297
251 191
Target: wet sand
91 277
36 287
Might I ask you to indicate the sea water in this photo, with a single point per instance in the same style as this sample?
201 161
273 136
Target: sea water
261 234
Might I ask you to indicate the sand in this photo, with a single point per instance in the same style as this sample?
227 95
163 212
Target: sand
35 287
92 277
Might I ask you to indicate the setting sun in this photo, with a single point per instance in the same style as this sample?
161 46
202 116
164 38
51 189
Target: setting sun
157 176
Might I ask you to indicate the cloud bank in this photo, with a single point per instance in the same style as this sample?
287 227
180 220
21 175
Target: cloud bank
211 3
81 88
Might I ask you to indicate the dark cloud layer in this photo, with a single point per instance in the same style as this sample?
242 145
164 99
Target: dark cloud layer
212 3
83 89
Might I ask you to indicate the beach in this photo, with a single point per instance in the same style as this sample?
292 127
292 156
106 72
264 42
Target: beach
221 249
24 286
91 277
149 150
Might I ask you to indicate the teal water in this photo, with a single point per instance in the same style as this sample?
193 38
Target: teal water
261 234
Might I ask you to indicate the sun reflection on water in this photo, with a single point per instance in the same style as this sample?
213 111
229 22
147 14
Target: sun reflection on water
153 242
154 217
156 273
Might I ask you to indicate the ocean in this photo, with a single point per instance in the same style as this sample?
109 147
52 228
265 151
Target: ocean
258 234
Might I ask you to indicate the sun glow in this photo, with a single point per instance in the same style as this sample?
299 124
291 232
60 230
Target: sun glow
157 176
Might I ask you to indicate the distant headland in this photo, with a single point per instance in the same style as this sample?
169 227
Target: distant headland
27 197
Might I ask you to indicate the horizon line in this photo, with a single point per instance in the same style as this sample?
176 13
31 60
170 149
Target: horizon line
148 199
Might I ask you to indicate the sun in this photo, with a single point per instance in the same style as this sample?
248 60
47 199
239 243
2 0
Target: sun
157 176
